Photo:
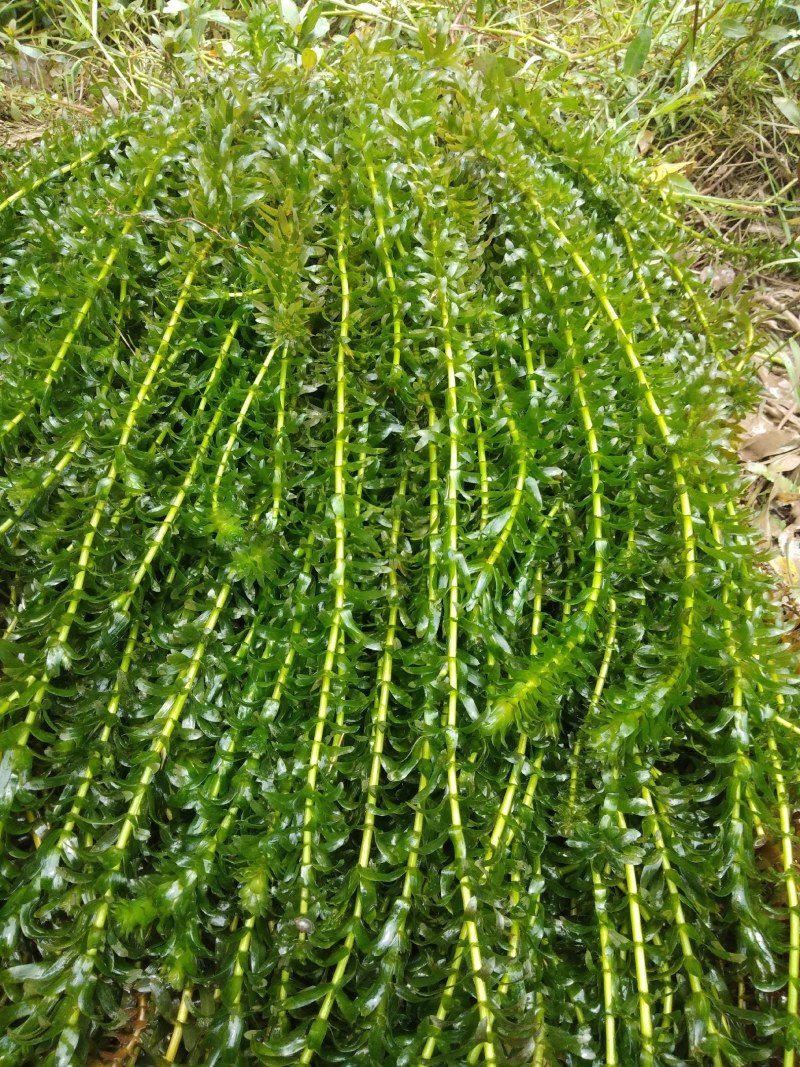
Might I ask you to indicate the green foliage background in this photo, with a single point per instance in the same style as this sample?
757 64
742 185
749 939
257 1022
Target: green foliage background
387 676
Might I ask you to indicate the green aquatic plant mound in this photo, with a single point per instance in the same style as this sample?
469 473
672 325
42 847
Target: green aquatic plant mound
386 674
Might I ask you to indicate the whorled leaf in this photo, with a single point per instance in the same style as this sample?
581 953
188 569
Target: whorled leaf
387 676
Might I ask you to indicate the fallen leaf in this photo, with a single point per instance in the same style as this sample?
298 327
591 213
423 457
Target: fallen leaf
787 568
664 170
773 443
645 141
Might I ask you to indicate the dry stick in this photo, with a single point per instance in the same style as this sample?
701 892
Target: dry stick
97 285
99 510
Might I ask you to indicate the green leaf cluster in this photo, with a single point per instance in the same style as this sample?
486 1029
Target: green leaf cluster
387 676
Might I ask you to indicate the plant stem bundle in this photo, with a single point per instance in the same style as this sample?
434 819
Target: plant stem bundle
387 676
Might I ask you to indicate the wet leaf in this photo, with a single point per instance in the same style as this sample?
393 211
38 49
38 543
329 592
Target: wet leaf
387 669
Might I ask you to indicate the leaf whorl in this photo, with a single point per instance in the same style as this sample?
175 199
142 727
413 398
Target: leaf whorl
387 676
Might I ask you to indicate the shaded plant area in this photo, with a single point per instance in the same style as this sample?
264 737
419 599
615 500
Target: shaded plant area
387 674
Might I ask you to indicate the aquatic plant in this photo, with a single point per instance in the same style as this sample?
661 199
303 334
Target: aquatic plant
387 674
